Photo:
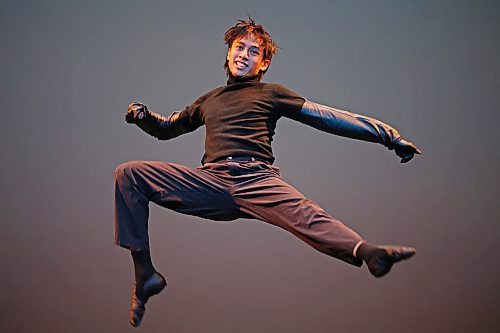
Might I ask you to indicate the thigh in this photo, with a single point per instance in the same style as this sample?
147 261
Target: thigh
273 200
183 189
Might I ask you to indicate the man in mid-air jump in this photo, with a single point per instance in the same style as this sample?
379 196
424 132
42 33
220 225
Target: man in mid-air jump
237 178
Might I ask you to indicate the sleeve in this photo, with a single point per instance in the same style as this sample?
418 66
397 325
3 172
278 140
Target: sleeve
288 102
178 123
347 124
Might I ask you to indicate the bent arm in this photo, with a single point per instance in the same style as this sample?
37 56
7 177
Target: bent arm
348 124
161 127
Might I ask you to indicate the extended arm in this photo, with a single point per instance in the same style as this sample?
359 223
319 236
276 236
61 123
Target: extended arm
356 126
161 127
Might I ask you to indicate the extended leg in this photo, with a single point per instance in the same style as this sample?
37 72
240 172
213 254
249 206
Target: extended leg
274 201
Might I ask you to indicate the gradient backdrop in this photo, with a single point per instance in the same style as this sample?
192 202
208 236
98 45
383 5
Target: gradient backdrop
430 68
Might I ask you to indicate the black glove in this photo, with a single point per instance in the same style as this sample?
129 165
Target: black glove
405 149
136 112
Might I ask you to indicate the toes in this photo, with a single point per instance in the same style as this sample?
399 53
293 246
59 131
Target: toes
400 253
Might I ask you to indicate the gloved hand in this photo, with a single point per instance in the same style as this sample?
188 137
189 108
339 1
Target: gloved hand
136 112
405 149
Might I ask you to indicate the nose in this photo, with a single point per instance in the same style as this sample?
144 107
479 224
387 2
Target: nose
243 55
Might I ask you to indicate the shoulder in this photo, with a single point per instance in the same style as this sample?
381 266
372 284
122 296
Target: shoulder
207 95
211 93
287 101
282 91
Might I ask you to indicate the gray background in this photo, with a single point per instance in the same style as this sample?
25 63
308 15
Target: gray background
429 68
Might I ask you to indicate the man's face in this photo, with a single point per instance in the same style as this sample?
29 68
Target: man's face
245 57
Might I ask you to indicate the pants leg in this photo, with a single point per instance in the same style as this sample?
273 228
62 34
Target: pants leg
270 199
182 189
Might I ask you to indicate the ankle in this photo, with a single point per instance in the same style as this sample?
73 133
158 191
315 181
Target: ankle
143 266
366 251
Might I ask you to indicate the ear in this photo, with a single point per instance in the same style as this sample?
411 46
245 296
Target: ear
265 64
227 57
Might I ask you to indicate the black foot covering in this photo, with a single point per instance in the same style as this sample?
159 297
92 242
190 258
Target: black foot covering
383 257
152 286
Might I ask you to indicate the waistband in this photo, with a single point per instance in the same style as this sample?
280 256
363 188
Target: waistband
241 159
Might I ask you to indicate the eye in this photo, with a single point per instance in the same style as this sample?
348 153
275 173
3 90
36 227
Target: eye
255 52
239 47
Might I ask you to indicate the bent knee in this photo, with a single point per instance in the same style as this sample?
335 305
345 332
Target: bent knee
126 170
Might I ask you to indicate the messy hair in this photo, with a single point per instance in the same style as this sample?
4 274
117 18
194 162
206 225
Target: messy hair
244 27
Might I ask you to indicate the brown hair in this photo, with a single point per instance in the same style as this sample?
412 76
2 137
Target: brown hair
244 27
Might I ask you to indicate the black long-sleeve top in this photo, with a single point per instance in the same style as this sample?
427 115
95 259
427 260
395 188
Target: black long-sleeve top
240 120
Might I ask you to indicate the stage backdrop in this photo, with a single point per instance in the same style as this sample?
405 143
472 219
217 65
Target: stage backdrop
430 68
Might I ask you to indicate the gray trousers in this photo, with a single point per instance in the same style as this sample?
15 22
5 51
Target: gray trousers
224 191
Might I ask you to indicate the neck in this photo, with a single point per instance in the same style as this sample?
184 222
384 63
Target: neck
235 79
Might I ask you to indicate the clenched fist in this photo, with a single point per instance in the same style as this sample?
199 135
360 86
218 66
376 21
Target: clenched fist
406 150
136 112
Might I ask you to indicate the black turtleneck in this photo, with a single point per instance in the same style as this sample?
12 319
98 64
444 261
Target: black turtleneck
240 118
234 79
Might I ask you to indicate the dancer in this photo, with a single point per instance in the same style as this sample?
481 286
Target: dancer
237 178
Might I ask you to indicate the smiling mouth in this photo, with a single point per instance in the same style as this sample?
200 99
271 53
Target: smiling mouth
240 65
